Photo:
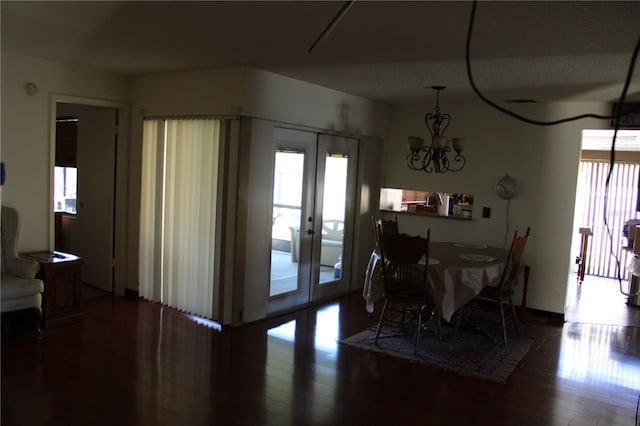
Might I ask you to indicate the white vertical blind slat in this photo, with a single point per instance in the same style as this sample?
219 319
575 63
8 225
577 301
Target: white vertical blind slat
621 202
188 215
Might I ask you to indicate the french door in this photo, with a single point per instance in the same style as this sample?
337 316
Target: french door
314 185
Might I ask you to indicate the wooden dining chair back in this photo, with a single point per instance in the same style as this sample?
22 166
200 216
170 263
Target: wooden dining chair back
388 226
405 278
502 293
513 266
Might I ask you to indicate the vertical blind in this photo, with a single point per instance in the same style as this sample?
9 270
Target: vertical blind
178 213
621 206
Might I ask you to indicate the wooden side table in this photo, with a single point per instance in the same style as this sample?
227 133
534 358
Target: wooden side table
61 274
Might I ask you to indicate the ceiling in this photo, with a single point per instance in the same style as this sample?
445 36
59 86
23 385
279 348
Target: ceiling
390 51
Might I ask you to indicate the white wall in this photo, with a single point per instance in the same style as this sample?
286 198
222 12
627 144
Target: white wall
26 133
285 100
275 100
544 160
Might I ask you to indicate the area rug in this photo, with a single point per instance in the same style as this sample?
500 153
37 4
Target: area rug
469 351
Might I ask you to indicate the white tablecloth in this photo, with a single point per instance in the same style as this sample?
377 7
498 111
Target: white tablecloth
454 280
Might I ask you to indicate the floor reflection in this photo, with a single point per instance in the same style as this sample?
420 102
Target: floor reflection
598 300
327 329
214 325
286 331
287 366
599 355
324 330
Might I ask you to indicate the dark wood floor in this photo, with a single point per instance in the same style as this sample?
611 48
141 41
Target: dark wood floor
600 301
136 363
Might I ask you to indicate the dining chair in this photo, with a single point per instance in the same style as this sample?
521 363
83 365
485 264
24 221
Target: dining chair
502 294
388 226
405 278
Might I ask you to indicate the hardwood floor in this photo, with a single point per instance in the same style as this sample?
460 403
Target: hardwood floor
599 301
131 362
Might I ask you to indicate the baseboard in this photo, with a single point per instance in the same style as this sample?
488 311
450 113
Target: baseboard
131 293
551 315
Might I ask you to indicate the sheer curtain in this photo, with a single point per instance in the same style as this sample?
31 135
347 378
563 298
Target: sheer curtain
178 213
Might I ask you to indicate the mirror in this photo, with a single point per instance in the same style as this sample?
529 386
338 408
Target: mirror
431 203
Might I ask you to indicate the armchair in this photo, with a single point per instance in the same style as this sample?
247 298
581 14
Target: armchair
19 289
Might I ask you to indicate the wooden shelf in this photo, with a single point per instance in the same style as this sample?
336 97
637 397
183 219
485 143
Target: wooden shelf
433 215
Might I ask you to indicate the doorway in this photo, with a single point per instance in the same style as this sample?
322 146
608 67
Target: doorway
84 188
312 216
599 297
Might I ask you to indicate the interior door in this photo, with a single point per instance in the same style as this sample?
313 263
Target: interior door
96 190
312 217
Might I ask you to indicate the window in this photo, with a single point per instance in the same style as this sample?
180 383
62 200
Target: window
287 193
65 189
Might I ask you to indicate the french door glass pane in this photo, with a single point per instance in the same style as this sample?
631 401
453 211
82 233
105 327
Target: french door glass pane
286 219
333 215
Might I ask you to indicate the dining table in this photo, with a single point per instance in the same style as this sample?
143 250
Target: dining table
457 273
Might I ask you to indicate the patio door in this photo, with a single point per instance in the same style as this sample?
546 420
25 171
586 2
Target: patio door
314 184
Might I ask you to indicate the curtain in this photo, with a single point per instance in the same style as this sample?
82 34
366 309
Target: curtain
621 206
178 213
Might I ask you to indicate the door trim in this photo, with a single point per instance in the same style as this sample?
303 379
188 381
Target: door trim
305 142
316 145
121 236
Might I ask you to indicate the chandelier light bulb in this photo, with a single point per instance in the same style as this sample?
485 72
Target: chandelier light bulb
415 143
458 144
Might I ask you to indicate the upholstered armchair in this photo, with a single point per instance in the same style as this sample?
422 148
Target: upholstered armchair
19 289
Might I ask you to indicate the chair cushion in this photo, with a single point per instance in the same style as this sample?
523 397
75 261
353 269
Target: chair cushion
12 287
26 302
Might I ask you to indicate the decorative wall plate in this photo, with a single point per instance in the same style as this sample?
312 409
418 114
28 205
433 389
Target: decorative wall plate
506 187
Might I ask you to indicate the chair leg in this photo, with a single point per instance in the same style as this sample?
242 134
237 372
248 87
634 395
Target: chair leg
504 325
515 318
417 337
459 319
384 308
473 307
37 320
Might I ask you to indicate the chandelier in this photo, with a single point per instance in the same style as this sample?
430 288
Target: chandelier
435 157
